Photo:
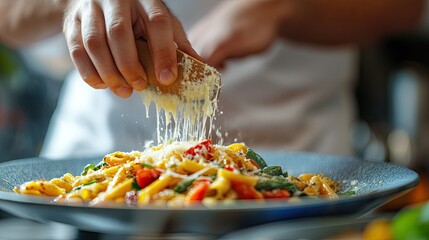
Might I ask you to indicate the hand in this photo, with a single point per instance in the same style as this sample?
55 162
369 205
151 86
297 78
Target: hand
101 38
237 29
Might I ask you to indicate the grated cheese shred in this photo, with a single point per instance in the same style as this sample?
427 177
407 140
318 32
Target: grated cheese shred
187 116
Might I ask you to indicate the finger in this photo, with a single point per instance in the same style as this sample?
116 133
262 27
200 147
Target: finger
72 33
218 55
94 39
120 38
182 40
160 36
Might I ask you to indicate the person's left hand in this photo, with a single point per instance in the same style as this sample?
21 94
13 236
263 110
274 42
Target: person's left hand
237 29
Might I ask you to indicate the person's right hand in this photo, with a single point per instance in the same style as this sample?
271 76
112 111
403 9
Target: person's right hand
101 37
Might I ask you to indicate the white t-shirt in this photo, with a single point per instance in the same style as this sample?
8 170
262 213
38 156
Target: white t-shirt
291 97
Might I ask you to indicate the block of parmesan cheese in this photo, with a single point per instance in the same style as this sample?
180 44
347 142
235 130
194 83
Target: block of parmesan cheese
195 79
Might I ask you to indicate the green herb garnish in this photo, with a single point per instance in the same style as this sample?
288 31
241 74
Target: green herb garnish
135 185
256 157
268 185
184 185
146 165
100 165
273 170
85 184
348 193
86 169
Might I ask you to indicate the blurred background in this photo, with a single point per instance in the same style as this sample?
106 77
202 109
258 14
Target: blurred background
30 81
392 95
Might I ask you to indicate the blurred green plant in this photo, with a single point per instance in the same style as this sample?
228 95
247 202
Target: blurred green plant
7 62
11 68
412 223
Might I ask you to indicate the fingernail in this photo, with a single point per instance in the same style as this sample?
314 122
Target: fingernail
166 77
123 92
139 84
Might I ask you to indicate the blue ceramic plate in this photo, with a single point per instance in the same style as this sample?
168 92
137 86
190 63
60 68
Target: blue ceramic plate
376 183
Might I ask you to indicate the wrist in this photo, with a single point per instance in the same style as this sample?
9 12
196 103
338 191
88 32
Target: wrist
280 10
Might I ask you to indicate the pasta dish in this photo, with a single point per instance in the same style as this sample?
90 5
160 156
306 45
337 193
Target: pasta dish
181 174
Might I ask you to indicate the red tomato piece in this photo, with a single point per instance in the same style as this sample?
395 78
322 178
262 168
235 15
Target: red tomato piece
146 176
229 167
276 193
254 163
246 191
197 192
203 148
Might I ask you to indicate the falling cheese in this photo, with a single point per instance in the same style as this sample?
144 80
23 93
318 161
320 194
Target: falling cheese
189 115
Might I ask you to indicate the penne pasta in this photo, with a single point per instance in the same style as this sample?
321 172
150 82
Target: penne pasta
181 174
192 167
157 186
250 180
219 187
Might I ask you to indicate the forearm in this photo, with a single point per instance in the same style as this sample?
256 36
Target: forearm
27 21
334 22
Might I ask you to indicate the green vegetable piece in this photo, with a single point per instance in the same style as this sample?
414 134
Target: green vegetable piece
256 157
146 165
99 165
348 193
85 184
87 167
213 176
273 170
268 185
89 183
183 185
285 174
135 185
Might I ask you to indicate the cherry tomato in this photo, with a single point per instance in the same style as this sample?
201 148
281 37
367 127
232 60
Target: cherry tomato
146 176
245 191
197 192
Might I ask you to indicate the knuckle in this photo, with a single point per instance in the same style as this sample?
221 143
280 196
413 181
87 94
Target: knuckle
159 17
92 41
77 51
118 28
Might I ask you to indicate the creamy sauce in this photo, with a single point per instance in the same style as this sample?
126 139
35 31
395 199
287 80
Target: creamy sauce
188 116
